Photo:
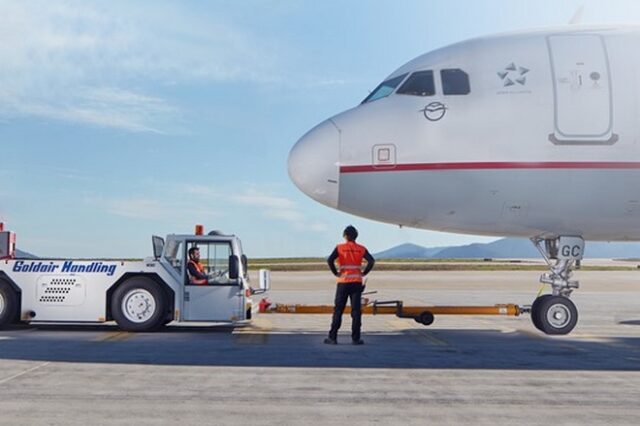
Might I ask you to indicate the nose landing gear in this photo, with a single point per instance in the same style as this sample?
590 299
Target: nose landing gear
554 313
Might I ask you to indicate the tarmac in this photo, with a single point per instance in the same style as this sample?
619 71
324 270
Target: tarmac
276 370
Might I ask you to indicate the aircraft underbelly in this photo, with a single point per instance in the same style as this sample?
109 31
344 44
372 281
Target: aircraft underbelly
500 202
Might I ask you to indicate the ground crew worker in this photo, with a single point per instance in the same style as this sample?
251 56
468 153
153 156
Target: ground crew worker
349 277
197 275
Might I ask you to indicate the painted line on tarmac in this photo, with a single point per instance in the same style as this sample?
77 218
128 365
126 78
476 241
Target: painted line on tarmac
256 325
250 339
22 373
552 339
611 341
582 337
595 339
114 336
423 335
530 333
257 333
432 339
399 324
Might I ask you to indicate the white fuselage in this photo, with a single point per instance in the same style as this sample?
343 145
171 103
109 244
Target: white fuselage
544 143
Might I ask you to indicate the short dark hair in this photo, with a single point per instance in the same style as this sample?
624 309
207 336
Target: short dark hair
350 232
193 250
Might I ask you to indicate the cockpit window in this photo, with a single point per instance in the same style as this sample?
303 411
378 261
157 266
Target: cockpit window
419 83
385 88
455 82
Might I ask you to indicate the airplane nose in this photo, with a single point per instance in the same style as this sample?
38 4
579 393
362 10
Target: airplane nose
314 163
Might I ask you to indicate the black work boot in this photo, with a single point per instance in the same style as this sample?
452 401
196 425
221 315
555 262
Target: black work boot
330 341
358 342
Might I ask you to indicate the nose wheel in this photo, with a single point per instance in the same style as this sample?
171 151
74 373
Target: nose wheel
556 315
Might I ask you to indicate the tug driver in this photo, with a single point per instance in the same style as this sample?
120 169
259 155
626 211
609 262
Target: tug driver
195 269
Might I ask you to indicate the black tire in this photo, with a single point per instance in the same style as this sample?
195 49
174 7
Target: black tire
425 318
8 304
557 315
139 304
535 310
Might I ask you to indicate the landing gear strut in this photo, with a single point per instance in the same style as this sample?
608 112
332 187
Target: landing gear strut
555 313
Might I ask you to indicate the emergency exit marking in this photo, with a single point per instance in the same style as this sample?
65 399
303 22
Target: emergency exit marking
384 155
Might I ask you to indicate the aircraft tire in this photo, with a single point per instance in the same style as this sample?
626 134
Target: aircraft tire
139 304
557 315
535 310
8 304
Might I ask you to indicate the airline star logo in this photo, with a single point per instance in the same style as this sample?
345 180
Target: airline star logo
513 74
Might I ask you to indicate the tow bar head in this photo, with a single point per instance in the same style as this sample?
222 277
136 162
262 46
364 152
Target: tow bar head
264 305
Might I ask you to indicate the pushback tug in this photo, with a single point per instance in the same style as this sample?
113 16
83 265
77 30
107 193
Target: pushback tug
140 295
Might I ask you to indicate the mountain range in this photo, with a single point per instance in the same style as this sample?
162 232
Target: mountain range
505 248
24 255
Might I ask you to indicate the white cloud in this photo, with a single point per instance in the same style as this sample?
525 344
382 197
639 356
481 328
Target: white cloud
254 197
134 208
86 62
279 208
118 109
206 202
170 210
292 216
199 190
318 227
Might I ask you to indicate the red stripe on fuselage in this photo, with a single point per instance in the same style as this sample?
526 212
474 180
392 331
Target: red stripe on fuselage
494 166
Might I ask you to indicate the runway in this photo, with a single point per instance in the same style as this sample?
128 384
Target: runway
474 370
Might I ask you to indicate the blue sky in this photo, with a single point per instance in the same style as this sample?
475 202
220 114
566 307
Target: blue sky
119 120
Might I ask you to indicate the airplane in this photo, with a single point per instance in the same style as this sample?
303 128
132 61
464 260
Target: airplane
530 134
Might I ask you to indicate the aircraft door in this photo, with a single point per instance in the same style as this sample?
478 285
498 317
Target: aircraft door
582 90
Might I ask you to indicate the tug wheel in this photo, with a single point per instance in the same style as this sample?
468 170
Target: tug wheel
8 304
139 304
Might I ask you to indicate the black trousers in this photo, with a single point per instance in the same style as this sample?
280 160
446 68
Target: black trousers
344 292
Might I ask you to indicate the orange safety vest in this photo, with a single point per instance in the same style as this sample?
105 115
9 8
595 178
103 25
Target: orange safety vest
350 255
200 268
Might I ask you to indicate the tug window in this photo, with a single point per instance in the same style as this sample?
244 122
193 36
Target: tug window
455 82
173 253
214 259
419 83
385 88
